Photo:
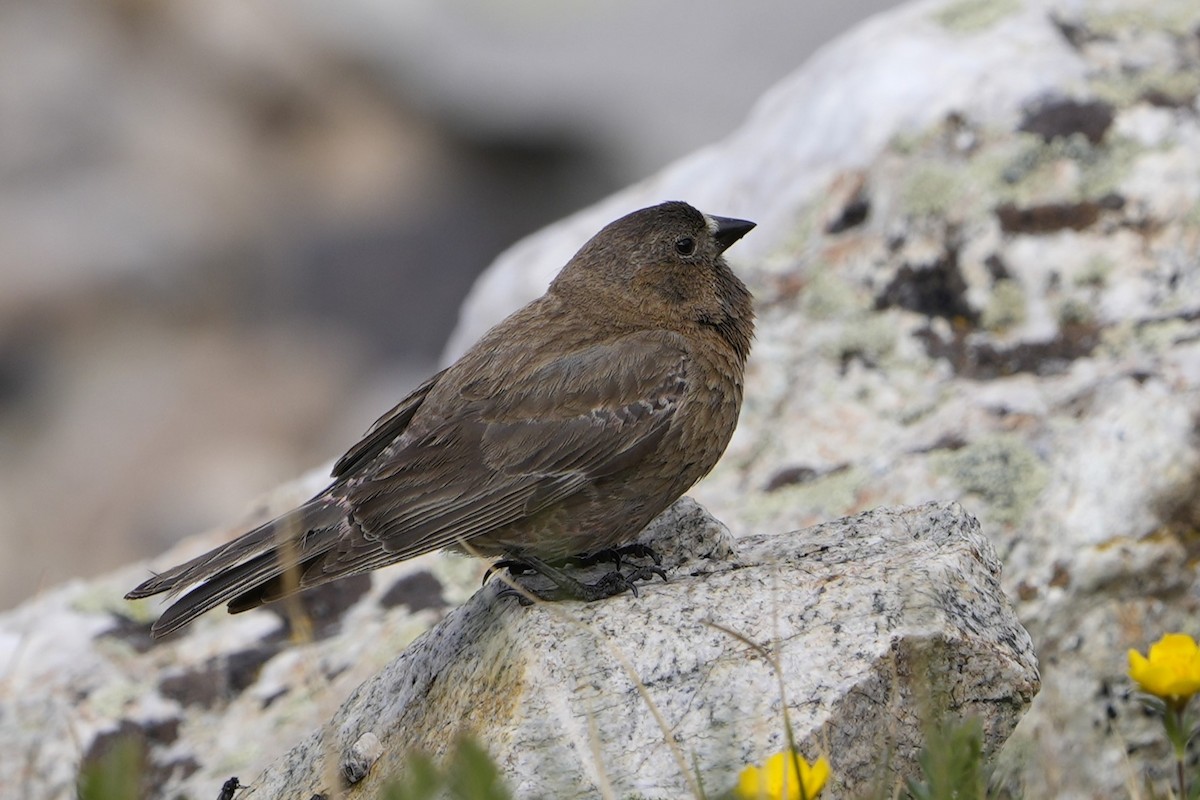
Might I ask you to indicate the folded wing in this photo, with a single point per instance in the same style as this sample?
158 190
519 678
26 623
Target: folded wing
412 486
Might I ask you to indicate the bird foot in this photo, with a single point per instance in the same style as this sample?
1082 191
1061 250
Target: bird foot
614 555
569 588
609 555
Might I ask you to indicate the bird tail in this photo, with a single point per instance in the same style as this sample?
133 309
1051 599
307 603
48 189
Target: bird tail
250 570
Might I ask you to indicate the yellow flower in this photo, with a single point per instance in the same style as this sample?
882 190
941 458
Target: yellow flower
766 782
1172 671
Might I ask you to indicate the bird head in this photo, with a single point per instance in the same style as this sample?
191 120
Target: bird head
663 267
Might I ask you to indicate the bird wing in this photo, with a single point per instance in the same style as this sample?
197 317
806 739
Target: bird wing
505 454
581 417
385 430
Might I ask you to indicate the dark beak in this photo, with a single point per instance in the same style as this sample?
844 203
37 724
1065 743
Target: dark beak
729 230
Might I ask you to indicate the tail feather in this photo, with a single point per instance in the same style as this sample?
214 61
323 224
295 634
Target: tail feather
249 566
274 588
317 546
257 541
213 592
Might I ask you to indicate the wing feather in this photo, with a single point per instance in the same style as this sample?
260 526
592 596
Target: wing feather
385 430
578 419
426 478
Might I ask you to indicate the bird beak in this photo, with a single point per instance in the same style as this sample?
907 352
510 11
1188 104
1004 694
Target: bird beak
727 230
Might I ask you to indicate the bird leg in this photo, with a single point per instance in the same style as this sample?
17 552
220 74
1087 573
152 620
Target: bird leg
569 588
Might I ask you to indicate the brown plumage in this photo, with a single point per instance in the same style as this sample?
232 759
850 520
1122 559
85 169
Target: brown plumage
564 430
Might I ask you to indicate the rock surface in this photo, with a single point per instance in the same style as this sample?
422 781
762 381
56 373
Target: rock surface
864 616
976 274
225 698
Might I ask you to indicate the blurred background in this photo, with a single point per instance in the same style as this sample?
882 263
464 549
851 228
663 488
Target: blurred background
234 232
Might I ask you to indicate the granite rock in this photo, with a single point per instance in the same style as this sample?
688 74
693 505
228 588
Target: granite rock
975 273
878 624
894 615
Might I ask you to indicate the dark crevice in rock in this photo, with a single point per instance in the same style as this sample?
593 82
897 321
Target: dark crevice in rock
1052 217
793 476
219 679
985 360
850 354
324 606
997 268
1178 512
855 213
935 290
243 666
1178 99
132 632
180 768
418 591
271 698
1186 315
199 687
1075 32
947 441
1061 117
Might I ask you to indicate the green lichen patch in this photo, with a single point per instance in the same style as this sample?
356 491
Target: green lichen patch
1095 272
1006 306
105 599
870 340
973 16
933 189
1001 470
1069 169
1161 86
1178 17
829 296
830 495
1076 311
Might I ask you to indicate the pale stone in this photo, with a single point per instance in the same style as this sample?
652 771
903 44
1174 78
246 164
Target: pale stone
878 624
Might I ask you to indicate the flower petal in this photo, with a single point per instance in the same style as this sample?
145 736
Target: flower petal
1171 670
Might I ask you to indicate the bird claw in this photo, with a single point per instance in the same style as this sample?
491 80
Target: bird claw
639 550
522 597
647 573
566 588
611 555
513 565
614 556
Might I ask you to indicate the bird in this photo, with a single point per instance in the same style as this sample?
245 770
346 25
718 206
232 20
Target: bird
561 433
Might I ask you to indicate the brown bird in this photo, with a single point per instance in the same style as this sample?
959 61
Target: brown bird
565 430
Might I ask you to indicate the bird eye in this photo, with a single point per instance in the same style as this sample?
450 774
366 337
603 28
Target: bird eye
685 246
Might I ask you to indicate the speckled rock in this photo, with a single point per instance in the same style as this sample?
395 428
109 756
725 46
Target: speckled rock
876 622
976 272
864 615
976 278
225 697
